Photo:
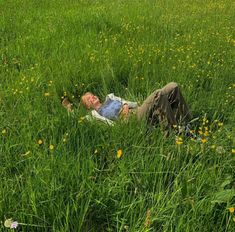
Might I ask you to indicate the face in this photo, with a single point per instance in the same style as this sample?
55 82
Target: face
90 100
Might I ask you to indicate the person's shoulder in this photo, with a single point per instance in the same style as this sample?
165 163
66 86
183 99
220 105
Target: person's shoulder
110 95
113 97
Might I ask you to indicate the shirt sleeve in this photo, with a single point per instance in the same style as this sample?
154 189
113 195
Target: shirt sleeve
131 104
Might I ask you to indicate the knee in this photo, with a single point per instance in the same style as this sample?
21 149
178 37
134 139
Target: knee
170 88
173 85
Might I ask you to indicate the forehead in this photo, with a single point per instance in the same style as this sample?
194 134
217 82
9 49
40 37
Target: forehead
89 94
86 96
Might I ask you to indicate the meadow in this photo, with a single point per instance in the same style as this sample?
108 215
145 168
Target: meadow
60 172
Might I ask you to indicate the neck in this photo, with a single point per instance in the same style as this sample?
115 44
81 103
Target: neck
97 106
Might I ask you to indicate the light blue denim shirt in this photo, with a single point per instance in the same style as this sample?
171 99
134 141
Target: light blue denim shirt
110 109
95 114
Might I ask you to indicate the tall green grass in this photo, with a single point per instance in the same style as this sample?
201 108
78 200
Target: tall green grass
54 48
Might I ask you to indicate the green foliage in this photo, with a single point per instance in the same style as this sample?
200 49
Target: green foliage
60 172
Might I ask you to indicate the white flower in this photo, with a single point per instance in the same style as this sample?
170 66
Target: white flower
9 223
14 225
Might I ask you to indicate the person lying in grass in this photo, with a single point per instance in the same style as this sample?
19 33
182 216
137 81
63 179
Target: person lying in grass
165 105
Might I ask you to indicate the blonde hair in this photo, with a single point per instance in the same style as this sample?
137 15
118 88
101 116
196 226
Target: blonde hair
83 101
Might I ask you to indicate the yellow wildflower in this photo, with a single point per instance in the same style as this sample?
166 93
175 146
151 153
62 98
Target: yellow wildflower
51 147
231 209
4 131
203 140
46 94
220 124
119 153
206 133
233 151
200 132
179 141
40 142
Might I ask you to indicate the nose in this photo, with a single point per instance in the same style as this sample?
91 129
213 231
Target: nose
91 99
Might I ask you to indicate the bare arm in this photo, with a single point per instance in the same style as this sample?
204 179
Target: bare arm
125 111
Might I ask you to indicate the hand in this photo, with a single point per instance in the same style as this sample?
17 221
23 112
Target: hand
125 111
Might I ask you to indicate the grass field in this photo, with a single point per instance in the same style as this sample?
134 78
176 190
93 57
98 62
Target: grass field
61 173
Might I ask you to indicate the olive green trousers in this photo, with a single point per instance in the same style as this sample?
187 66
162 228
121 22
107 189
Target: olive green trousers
165 105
